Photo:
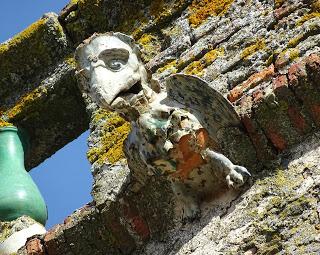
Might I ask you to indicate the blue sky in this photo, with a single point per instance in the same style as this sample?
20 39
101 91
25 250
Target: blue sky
64 179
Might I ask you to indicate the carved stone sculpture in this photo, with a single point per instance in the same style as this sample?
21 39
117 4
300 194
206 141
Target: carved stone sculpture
174 130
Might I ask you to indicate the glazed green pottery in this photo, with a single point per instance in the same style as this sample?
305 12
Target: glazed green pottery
19 195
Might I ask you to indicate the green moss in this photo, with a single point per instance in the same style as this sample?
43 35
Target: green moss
17 48
200 10
296 207
253 48
114 131
156 7
164 11
270 60
92 11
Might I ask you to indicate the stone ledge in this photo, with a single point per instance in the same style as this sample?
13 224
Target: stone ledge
38 90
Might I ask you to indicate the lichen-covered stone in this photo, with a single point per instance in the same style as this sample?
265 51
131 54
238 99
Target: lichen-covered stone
278 213
84 17
38 90
28 57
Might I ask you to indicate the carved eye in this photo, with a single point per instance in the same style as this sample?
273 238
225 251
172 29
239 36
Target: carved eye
115 59
115 64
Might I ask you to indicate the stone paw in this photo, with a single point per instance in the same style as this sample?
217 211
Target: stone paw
237 176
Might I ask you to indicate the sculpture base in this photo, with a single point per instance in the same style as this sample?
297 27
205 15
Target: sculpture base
17 234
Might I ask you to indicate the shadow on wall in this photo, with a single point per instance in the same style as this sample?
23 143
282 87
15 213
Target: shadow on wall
65 180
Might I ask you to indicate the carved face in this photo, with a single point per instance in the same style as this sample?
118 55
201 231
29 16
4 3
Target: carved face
113 69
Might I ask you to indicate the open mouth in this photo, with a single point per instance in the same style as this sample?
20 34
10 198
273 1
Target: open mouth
129 94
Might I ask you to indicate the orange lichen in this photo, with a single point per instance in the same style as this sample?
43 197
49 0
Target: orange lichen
189 158
276 138
297 119
201 9
252 82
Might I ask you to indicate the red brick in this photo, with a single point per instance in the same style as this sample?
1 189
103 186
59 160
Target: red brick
250 83
277 140
34 247
296 74
315 111
138 224
297 119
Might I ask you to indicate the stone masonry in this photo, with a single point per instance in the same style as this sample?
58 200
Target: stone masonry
262 55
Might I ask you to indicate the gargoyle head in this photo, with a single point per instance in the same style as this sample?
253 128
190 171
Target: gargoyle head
112 72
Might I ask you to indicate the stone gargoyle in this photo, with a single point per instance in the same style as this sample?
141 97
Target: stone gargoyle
174 129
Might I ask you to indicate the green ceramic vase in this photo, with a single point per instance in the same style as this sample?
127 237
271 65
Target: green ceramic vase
19 195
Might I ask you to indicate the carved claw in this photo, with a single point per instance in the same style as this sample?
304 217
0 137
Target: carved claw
237 176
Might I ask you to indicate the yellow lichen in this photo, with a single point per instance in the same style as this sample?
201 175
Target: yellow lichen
171 66
114 131
200 10
197 67
288 55
295 41
293 54
307 17
212 55
4 123
150 45
25 103
71 61
253 48
28 32
314 13
278 3
156 7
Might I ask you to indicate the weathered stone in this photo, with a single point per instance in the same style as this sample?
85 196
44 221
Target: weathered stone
40 95
230 44
34 247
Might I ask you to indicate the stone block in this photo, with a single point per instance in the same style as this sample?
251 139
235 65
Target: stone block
82 18
38 90
29 57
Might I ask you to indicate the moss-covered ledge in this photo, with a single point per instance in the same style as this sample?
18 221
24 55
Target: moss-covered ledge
38 91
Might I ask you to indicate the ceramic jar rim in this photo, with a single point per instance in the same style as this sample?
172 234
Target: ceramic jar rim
8 128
